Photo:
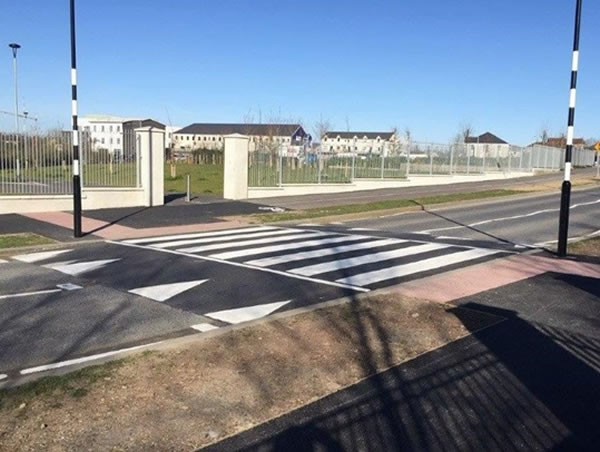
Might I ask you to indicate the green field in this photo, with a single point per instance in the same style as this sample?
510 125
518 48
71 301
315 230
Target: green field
204 178
26 239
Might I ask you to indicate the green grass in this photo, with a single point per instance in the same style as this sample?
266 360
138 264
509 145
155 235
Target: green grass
382 205
589 247
26 239
204 178
75 384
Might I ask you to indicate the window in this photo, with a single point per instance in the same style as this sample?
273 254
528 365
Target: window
86 128
118 141
213 138
94 128
101 128
219 138
118 128
187 138
110 129
102 141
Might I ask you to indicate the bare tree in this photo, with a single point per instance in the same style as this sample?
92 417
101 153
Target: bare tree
543 134
321 127
466 130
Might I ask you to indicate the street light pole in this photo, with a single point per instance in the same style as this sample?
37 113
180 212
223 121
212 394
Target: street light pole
565 198
15 47
76 166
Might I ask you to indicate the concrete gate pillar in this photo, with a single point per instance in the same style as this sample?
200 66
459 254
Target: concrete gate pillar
150 143
235 176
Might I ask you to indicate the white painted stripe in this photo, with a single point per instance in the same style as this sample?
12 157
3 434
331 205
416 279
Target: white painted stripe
2 261
242 265
575 62
73 76
568 172
35 257
350 262
570 135
287 246
71 362
399 271
75 167
227 238
3 376
204 327
309 225
75 135
269 261
362 229
219 246
572 97
74 107
76 268
200 234
163 292
246 314
29 294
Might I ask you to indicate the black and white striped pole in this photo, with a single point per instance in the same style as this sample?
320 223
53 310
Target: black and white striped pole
565 198
76 165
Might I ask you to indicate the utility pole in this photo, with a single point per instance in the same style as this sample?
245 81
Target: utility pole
565 198
15 47
76 166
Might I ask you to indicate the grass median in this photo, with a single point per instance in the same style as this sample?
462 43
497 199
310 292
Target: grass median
382 205
589 247
25 239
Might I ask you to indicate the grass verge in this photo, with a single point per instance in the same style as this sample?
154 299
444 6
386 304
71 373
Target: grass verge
589 247
382 205
203 178
25 239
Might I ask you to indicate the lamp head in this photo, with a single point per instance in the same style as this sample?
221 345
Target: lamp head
14 46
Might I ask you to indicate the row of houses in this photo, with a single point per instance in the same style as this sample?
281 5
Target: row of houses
112 132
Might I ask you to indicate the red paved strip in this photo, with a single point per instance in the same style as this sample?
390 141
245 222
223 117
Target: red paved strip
106 230
472 280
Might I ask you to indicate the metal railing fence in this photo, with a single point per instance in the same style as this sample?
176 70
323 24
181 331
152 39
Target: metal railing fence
40 163
280 165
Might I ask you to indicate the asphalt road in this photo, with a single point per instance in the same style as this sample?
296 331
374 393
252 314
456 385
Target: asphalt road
367 196
518 222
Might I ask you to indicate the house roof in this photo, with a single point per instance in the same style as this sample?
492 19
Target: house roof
244 129
369 135
486 138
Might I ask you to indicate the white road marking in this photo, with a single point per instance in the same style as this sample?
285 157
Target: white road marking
309 225
362 229
199 234
204 327
75 268
3 376
288 246
69 286
325 267
269 261
398 271
449 237
242 265
513 217
163 292
246 314
29 294
35 257
2 261
218 246
227 238
336 222
70 362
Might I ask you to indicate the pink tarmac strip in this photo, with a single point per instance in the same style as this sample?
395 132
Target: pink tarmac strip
472 280
105 230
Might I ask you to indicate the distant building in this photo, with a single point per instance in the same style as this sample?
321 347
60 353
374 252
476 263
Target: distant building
105 131
358 142
561 142
488 145
129 127
210 136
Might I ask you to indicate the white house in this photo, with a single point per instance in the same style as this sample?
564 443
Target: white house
488 145
105 131
210 136
359 142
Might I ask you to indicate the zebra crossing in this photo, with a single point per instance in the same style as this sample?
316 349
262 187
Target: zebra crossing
354 260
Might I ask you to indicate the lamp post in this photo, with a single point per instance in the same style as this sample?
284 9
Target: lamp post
76 166
565 198
15 47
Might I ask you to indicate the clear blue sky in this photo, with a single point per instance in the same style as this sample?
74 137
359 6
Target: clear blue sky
501 65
